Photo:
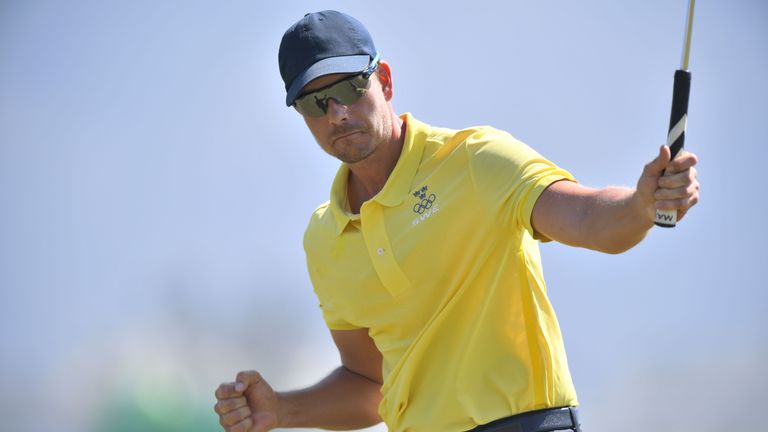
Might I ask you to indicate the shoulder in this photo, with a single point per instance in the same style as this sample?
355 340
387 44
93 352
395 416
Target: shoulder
321 217
320 212
470 136
321 223
489 148
440 142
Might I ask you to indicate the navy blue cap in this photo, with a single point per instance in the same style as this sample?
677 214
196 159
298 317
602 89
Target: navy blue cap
322 43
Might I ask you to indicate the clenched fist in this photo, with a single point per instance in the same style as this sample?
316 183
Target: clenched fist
247 405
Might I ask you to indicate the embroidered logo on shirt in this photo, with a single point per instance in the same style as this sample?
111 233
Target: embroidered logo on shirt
426 206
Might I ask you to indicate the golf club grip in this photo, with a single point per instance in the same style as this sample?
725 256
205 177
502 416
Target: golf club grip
676 136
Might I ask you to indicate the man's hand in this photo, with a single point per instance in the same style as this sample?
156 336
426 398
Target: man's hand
247 405
677 190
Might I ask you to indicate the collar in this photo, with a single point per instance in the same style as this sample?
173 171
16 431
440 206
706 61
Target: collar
398 184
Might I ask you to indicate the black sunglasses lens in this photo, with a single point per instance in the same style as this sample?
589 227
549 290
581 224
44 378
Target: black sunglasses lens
345 92
309 106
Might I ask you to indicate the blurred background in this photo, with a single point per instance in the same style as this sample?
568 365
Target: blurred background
154 190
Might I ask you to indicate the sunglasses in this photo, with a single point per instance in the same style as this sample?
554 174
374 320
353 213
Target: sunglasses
345 92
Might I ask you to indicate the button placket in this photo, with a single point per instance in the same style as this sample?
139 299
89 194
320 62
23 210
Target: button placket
377 243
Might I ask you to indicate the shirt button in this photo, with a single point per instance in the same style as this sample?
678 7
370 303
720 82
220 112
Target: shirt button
380 251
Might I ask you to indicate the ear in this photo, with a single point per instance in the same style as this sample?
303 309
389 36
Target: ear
385 79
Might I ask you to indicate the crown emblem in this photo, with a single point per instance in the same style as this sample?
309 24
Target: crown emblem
421 193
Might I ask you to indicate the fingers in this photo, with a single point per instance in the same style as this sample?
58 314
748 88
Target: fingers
227 391
227 405
671 184
232 408
657 166
245 405
238 421
678 191
663 164
236 416
246 379
234 413
683 161
683 203
679 179
239 418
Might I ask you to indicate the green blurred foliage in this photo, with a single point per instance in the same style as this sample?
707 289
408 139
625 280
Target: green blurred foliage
157 413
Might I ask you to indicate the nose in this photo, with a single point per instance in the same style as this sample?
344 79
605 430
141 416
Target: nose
336 112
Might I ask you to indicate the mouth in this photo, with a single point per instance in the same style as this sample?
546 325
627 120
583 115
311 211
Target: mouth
345 135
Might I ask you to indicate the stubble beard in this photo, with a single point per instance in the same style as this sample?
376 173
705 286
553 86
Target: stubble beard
355 151
355 154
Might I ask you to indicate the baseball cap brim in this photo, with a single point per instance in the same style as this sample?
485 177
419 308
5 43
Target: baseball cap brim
331 65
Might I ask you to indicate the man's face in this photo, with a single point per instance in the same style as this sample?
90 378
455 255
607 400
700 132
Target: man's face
351 133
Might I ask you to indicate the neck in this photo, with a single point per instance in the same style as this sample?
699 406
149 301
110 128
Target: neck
368 177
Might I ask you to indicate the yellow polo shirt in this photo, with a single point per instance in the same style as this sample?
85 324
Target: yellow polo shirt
442 269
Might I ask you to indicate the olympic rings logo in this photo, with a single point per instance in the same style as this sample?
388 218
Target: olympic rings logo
424 205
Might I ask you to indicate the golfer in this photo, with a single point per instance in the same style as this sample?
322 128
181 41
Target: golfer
425 260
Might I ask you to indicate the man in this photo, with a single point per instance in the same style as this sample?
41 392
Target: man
425 260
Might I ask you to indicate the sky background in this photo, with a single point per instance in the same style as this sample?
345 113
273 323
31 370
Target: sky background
154 190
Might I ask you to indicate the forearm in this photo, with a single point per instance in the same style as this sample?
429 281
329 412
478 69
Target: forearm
611 219
343 400
615 219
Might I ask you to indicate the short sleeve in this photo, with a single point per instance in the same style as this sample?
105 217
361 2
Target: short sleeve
509 176
331 316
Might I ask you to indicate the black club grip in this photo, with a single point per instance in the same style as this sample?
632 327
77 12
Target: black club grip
676 136
680 94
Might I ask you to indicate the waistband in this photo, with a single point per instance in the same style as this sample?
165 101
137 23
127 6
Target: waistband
545 420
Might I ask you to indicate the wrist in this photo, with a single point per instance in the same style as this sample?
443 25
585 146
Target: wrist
281 409
289 414
644 207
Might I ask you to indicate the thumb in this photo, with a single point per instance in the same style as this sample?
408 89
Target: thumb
656 167
247 379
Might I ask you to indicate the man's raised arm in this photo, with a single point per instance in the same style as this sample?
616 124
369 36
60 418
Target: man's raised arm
614 219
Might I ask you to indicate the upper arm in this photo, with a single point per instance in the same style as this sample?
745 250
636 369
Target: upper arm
560 213
509 176
359 353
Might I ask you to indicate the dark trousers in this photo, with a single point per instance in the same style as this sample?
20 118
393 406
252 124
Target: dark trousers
547 420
